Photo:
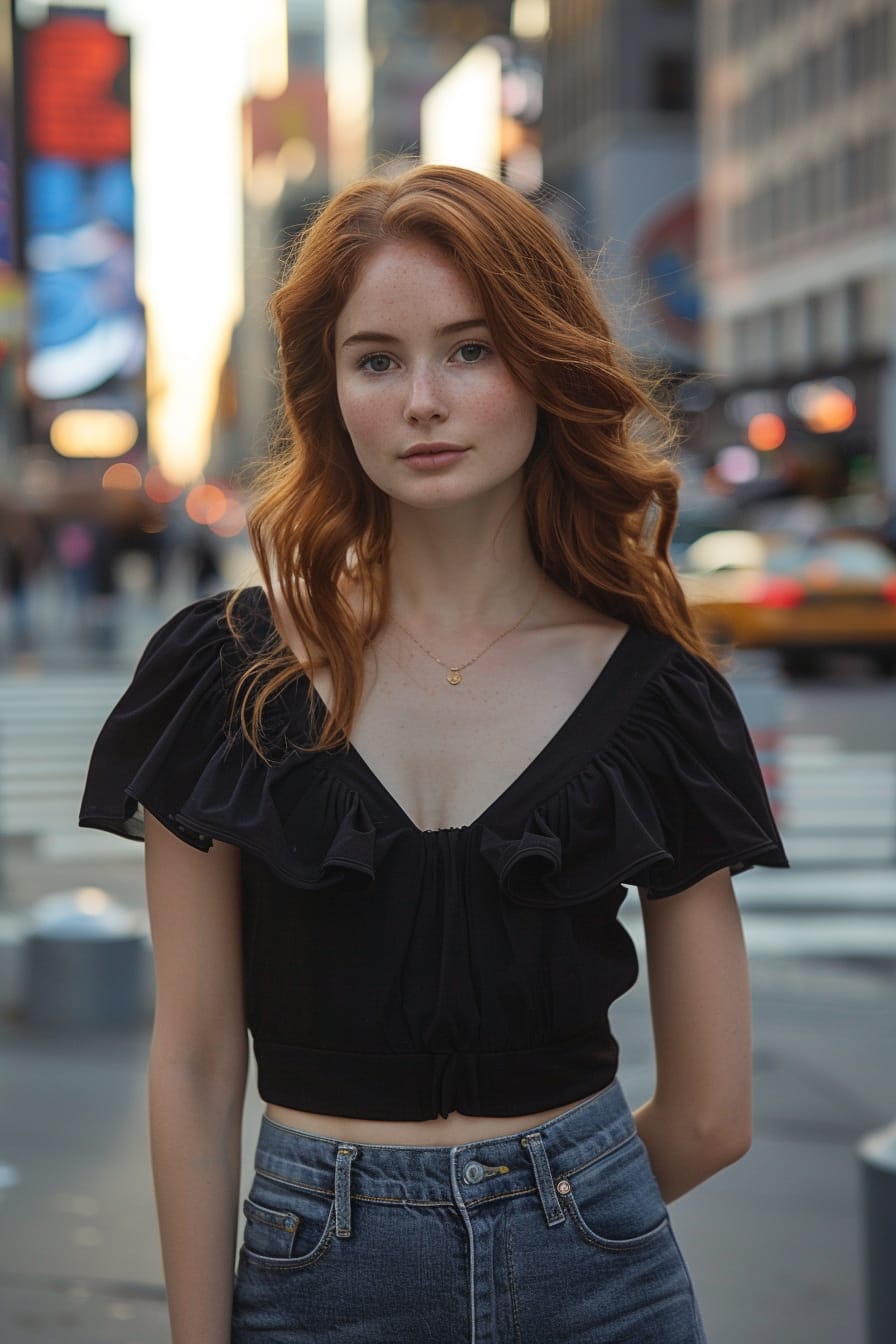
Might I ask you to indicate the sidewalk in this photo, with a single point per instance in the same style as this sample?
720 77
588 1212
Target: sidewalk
773 1243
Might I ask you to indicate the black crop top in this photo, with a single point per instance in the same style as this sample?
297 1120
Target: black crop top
399 974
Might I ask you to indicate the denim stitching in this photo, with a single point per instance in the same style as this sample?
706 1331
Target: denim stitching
283 1222
621 1247
297 1262
517 1328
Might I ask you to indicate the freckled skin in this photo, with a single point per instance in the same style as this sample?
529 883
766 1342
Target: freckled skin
424 385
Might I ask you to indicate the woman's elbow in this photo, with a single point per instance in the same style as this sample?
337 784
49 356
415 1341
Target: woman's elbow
725 1142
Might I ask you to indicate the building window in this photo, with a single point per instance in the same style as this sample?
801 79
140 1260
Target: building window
852 56
740 343
672 83
827 74
812 81
881 163
830 196
852 176
813 328
776 337
880 43
795 202
813 192
855 316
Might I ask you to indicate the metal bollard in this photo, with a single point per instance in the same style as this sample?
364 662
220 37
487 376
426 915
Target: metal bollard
84 962
877 1155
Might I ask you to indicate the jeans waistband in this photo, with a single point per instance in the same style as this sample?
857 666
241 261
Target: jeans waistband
527 1159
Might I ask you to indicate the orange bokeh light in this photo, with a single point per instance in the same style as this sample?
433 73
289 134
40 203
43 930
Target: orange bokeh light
829 409
159 489
122 476
766 431
206 504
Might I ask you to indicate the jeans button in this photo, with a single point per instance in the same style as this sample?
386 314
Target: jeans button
473 1172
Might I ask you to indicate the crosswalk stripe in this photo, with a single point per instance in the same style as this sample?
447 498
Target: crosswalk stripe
816 849
783 935
773 888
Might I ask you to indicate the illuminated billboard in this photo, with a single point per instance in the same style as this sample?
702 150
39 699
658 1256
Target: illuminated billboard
7 244
86 325
11 288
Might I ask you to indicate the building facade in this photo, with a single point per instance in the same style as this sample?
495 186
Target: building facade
620 157
286 156
412 45
798 219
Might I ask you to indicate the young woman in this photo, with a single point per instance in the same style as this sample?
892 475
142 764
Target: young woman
390 797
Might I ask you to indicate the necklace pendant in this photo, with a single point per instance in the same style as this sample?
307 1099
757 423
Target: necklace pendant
454 678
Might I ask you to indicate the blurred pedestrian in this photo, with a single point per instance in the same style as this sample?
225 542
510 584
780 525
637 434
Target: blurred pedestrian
104 599
21 552
75 547
389 798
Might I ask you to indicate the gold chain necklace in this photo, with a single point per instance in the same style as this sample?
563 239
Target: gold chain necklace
454 677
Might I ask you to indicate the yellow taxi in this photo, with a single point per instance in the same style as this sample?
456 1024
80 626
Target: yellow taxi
802 597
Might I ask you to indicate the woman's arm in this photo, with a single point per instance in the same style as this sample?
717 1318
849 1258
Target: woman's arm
197 1076
700 1116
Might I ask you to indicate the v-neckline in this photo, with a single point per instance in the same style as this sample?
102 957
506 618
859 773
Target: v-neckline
351 752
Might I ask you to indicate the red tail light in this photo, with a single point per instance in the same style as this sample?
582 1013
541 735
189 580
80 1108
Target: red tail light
888 588
778 591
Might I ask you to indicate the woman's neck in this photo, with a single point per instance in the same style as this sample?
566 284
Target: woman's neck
455 573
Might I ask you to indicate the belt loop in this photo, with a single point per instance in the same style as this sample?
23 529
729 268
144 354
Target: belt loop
345 1155
534 1146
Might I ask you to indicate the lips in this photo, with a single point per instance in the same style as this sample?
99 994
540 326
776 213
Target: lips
431 449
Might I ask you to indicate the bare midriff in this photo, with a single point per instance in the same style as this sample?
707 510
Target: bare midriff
444 1130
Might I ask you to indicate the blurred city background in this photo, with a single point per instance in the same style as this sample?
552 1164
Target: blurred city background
728 167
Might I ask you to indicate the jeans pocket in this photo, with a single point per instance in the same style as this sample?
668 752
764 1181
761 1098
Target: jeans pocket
287 1226
614 1202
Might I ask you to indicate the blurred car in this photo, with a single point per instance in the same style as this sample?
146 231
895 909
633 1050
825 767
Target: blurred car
802 597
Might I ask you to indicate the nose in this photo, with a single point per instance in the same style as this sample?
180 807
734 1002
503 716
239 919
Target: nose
425 399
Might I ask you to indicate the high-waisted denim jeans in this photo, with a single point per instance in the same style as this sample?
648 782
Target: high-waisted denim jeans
546 1236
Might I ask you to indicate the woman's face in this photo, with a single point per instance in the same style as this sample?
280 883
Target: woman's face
434 414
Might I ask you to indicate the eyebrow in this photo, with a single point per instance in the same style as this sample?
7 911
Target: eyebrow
365 337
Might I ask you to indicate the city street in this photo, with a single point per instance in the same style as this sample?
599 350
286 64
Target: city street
773 1243
426 311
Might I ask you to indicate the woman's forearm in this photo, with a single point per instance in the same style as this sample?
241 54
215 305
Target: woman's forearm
684 1152
195 1128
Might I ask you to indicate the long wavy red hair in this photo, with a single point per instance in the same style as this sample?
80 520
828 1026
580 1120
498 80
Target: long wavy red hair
600 491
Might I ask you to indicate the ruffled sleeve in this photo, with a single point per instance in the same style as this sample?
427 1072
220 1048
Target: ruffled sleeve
165 730
691 754
169 748
669 792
